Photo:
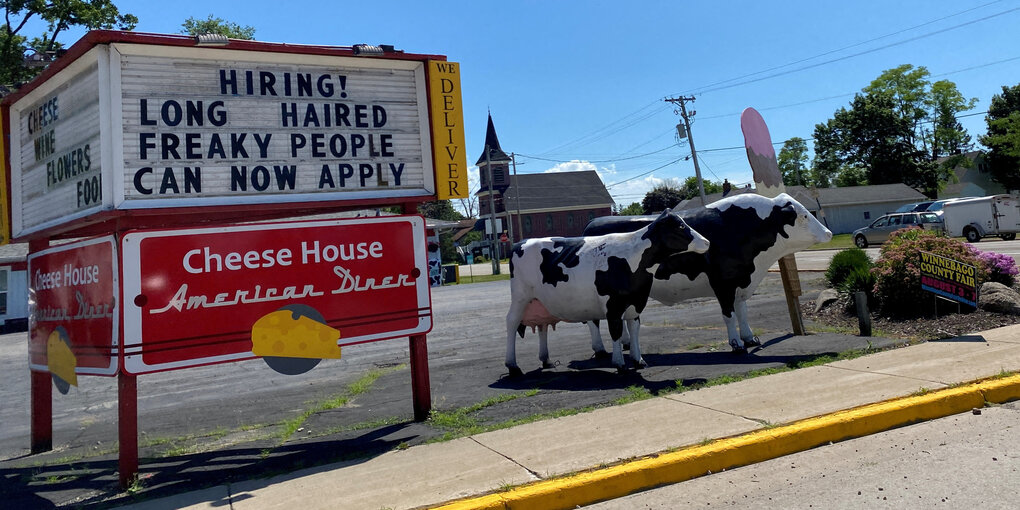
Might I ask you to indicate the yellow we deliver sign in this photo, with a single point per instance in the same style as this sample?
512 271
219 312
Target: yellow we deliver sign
447 130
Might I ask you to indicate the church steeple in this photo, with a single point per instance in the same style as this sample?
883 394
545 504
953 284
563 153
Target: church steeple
496 154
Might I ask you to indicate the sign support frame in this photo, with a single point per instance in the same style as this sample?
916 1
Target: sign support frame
41 390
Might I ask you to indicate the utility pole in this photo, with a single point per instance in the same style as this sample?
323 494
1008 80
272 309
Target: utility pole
493 252
682 100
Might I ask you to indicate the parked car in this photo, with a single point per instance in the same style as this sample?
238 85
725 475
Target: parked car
974 218
879 230
914 207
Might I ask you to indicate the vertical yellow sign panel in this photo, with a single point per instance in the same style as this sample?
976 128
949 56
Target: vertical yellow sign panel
447 115
5 197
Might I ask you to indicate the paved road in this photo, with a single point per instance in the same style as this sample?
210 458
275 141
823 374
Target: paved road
962 461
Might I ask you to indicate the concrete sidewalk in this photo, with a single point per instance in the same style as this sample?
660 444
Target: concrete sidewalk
580 459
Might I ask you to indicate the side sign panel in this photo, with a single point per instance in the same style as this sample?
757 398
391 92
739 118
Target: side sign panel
193 296
448 130
56 167
73 301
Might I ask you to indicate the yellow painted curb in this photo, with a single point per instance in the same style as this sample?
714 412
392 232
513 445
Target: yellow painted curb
613 482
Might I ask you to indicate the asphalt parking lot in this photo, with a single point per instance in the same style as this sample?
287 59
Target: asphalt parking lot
212 424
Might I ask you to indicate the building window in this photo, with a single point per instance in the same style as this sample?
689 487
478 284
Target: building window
570 220
548 221
867 215
4 277
527 225
591 216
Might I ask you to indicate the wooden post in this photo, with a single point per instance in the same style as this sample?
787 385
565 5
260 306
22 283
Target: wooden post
791 284
863 315
41 389
421 392
127 427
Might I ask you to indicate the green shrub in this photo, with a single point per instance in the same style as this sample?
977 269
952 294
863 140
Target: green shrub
898 273
844 263
861 279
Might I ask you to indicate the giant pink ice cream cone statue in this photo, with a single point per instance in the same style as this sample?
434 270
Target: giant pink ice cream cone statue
769 182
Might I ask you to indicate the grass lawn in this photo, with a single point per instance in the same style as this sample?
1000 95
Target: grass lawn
465 278
838 242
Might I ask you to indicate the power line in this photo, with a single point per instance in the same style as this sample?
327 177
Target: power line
644 174
599 161
607 126
865 52
848 47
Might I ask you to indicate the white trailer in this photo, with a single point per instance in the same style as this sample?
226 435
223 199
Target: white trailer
974 218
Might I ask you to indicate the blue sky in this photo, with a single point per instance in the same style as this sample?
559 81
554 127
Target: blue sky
580 85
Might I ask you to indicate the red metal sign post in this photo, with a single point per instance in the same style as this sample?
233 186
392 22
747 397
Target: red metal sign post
214 136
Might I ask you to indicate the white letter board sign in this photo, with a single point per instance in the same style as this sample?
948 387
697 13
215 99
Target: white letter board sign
142 126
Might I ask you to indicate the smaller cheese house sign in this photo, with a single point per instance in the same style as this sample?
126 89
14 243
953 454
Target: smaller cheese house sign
150 126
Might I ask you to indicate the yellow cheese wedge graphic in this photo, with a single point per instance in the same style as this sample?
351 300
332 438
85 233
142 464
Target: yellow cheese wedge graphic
60 359
280 334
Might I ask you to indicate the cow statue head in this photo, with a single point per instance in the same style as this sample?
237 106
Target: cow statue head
803 230
671 234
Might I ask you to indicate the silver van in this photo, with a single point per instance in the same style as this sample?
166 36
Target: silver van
879 230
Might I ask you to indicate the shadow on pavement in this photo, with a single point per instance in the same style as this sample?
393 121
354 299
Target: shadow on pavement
94 481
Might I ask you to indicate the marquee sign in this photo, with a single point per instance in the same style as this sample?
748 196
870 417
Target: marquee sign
207 295
74 310
136 124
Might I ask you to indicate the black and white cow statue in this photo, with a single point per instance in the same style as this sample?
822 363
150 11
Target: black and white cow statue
576 279
748 234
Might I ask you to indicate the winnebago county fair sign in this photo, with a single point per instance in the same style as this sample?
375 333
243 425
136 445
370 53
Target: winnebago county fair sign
137 126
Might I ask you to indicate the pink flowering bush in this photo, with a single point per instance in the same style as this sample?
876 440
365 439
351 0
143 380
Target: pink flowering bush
998 267
898 274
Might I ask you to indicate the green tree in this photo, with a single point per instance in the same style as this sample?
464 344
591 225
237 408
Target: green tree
872 138
931 110
903 128
664 195
214 25
440 210
851 176
633 209
59 15
690 187
793 160
1003 137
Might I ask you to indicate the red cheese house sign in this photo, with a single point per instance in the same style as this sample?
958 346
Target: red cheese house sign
74 310
290 292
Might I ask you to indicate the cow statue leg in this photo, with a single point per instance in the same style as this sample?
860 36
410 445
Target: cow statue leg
596 340
731 332
746 335
513 321
615 332
634 326
543 346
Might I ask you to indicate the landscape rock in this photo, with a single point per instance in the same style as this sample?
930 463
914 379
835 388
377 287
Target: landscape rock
996 297
825 298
